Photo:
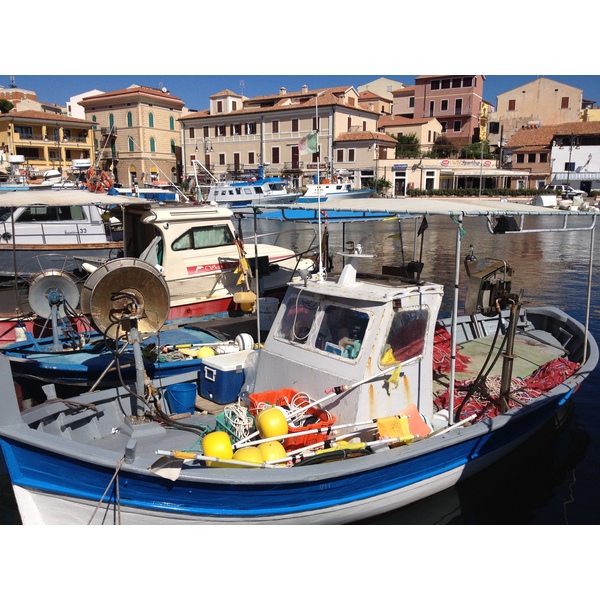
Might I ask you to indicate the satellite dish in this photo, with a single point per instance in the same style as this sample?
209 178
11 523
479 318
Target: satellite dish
165 90
122 289
52 288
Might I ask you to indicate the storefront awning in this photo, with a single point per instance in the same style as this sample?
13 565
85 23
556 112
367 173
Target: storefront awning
582 176
487 173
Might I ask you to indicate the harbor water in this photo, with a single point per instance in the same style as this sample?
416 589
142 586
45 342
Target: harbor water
553 479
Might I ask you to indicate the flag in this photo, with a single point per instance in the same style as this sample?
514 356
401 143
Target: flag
308 144
424 225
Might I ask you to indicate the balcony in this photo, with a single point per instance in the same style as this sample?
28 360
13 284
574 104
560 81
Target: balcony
108 131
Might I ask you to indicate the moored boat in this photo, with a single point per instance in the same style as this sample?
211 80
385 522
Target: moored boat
326 189
384 403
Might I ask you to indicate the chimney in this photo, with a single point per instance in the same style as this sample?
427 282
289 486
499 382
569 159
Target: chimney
304 89
282 91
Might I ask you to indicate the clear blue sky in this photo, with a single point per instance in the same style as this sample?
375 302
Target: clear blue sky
195 90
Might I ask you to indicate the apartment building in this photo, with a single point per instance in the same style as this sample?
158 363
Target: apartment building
45 140
136 134
236 135
540 102
455 101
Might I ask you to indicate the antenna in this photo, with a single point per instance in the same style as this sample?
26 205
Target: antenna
242 86
12 82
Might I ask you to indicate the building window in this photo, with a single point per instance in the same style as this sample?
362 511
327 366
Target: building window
467 81
444 125
431 107
569 166
150 120
429 135
152 145
236 160
543 157
131 146
172 146
294 125
219 106
564 102
458 106
251 158
351 154
192 158
236 129
339 155
233 105
250 128
512 104
192 133
220 130
94 121
520 157
531 157
457 82
275 155
205 131
349 123
171 123
221 158
457 125
494 127
444 105
435 84
129 119
445 84
411 102
275 127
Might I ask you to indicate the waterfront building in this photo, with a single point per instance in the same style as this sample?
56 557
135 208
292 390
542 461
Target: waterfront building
136 134
237 134
46 140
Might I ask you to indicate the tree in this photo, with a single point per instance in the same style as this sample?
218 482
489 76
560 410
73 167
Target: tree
5 106
442 148
407 146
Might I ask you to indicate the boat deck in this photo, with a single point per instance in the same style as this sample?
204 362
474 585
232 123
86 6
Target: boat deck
531 351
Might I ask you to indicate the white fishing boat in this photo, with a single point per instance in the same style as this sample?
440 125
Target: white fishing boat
327 189
361 401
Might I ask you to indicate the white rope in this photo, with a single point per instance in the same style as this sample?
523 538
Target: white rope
239 420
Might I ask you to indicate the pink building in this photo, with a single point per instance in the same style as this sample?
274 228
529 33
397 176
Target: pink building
455 100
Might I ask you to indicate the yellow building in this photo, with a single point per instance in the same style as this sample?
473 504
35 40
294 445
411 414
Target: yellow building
45 140
137 134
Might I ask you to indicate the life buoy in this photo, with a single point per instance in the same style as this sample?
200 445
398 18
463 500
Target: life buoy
107 182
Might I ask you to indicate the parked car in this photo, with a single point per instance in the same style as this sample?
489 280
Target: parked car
566 191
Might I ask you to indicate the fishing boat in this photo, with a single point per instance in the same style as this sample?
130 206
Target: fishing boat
327 189
53 222
253 191
196 248
363 398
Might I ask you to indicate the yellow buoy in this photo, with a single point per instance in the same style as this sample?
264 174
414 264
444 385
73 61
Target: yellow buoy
248 454
272 451
218 445
205 352
271 423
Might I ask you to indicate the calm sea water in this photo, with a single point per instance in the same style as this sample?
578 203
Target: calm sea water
554 479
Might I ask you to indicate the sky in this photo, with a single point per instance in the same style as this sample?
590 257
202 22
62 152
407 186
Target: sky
195 90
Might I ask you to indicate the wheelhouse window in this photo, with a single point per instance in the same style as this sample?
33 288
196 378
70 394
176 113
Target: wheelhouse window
35 214
406 336
323 326
211 236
